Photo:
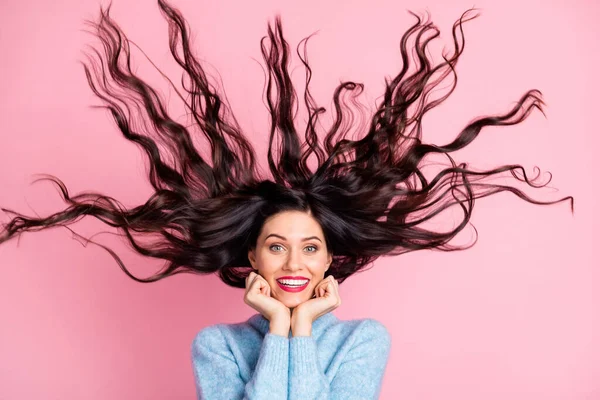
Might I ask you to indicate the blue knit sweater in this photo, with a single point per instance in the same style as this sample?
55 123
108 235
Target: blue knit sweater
340 360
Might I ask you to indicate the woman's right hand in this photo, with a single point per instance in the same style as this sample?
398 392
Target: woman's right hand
258 296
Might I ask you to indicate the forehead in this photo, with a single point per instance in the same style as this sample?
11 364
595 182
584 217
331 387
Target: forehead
292 224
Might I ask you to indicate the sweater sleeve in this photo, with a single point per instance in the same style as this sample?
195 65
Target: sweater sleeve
217 374
359 376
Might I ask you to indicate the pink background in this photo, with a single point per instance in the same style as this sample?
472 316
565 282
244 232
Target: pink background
514 317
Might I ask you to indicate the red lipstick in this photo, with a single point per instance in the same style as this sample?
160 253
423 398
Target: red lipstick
293 289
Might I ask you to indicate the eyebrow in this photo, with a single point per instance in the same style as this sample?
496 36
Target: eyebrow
283 238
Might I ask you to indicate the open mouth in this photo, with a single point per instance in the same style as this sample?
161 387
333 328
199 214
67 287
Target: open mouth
293 285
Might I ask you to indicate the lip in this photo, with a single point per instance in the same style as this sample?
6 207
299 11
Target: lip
293 290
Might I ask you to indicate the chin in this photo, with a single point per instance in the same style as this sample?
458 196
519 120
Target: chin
292 301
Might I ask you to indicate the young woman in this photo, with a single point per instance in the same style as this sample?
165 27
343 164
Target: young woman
291 238
294 348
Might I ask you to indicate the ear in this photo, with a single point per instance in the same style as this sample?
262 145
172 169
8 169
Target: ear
252 258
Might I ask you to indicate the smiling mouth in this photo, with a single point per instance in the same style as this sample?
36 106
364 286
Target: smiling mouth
293 285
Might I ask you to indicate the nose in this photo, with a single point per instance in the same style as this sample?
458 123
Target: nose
294 261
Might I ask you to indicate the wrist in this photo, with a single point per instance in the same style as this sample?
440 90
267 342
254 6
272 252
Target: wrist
301 325
280 326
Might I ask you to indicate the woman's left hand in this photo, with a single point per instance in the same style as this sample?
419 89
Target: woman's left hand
327 299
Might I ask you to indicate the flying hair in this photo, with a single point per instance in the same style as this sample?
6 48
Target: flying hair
369 194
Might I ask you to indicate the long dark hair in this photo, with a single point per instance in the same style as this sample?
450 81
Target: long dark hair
369 195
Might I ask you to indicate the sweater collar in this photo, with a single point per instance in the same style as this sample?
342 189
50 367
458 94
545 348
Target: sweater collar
319 325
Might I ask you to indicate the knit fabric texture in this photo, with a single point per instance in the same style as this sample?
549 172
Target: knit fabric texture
340 360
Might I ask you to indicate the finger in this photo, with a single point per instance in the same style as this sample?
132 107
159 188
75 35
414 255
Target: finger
334 287
250 278
329 289
264 285
318 292
334 281
267 291
323 283
256 285
335 292
257 278
260 281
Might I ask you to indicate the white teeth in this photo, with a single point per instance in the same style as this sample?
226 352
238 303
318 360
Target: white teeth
293 282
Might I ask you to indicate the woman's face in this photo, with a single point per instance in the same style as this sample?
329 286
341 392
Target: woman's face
291 244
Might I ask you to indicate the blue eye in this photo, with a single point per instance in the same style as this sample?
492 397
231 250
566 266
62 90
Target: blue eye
271 247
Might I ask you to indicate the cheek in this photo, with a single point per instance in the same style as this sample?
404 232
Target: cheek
317 266
267 265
